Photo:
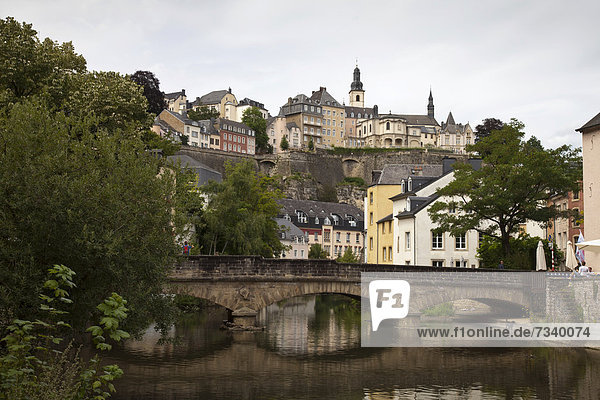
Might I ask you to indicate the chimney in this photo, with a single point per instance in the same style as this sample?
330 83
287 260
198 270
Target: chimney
322 88
289 101
183 92
375 110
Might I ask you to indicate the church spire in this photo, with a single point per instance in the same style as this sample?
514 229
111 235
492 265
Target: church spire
357 94
430 107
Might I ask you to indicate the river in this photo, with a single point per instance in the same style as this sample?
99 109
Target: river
311 350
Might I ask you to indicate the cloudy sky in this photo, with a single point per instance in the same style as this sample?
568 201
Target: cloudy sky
537 61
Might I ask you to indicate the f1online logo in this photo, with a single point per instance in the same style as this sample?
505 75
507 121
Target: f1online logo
389 300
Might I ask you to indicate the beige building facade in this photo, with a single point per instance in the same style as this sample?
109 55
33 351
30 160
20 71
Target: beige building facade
590 135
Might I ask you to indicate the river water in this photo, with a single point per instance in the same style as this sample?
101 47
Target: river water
311 350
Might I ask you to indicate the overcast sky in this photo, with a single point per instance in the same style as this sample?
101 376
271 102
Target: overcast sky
537 61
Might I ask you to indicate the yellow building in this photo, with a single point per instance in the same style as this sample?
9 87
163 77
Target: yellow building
333 118
222 101
379 222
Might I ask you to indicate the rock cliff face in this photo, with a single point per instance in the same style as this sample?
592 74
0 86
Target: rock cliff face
309 176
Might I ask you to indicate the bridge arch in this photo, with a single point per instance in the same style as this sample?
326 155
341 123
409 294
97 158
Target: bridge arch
266 166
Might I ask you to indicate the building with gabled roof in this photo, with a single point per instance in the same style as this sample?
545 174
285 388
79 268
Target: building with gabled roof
176 101
333 118
293 238
223 101
455 137
336 227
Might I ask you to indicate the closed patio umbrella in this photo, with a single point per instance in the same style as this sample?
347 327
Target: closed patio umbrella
540 258
571 261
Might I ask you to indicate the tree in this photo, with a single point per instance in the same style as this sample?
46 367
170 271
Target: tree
90 198
488 126
152 92
523 252
153 141
513 185
254 119
202 113
348 257
311 145
112 98
240 214
33 67
284 145
317 252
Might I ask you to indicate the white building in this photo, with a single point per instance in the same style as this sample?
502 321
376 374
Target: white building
416 243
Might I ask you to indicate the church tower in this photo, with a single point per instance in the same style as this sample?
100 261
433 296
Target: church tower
357 94
430 107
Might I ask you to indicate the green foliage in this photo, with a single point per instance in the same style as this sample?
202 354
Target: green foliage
284 143
523 252
239 216
488 126
33 365
116 101
327 193
311 145
91 198
151 91
513 185
254 119
317 252
348 257
33 67
440 310
153 141
353 181
202 113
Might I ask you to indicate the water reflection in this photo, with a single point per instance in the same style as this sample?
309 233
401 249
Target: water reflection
311 350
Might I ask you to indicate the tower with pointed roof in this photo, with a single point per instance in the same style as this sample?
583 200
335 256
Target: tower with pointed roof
357 94
430 108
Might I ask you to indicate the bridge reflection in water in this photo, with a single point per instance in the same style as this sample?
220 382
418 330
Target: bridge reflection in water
311 350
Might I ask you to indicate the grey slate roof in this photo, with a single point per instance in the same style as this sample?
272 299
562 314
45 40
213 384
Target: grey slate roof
291 125
319 209
594 122
356 110
386 218
418 119
419 204
324 98
249 102
392 174
212 97
450 120
290 230
174 95
204 172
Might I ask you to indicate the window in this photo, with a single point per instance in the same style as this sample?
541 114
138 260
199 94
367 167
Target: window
338 237
302 217
358 238
327 237
390 253
370 218
302 253
316 236
576 195
195 134
407 240
371 198
437 240
437 263
371 243
312 120
383 228
347 238
305 119
312 108
295 253
461 242
387 126
384 253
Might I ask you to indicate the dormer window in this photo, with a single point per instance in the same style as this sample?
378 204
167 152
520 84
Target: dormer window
409 184
336 219
402 186
317 220
326 221
287 217
302 217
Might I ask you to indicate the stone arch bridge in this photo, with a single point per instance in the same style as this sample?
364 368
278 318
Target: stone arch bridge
246 284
